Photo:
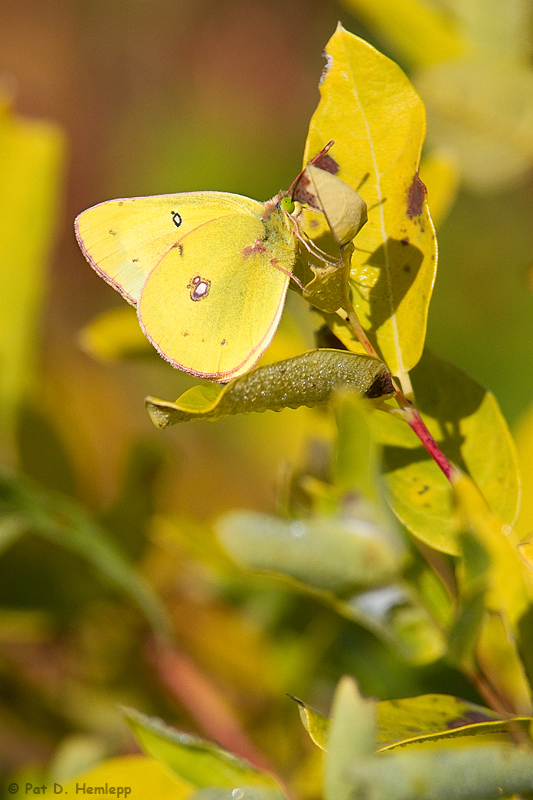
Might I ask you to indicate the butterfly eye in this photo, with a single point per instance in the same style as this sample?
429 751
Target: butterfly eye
287 204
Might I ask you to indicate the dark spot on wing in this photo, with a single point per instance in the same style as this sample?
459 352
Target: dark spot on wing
256 247
176 218
415 197
223 341
424 489
406 268
178 246
405 240
134 260
199 287
112 232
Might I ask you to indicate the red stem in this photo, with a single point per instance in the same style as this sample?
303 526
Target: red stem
415 422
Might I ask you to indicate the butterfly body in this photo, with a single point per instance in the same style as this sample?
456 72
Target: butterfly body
207 271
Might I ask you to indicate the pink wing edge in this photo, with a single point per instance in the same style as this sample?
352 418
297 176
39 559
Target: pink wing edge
107 278
93 263
253 357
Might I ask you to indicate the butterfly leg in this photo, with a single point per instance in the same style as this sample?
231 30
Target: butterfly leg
296 280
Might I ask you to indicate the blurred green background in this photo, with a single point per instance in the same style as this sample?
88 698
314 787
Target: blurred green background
156 96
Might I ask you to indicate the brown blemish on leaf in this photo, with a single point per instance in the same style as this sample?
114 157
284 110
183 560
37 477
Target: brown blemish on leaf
327 163
300 189
415 197
470 718
302 194
382 384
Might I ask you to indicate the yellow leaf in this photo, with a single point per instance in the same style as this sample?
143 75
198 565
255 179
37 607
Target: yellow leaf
498 657
344 209
506 590
371 111
31 160
144 776
113 335
524 446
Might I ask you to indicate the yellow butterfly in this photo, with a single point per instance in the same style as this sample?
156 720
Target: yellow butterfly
207 271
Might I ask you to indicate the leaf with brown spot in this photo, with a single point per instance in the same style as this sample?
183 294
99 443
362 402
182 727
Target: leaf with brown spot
377 121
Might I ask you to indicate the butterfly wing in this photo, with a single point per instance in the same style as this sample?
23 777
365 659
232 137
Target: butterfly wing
123 240
213 302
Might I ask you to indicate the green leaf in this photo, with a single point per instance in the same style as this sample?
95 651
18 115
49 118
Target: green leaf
506 590
396 615
242 793
326 553
357 455
497 656
435 716
371 111
31 166
308 379
421 32
201 763
60 520
427 718
485 772
434 594
329 288
337 556
315 723
351 736
467 424
464 634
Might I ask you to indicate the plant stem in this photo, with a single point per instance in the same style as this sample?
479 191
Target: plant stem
406 411
417 425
